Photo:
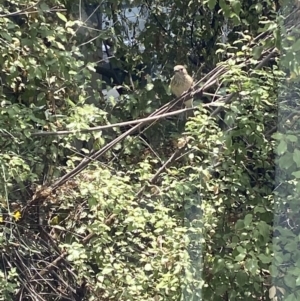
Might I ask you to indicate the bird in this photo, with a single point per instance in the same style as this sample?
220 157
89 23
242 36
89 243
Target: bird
180 83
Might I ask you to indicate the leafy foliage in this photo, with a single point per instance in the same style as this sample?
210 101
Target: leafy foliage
161 209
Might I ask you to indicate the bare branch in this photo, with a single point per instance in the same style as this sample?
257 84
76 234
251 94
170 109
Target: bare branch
21 11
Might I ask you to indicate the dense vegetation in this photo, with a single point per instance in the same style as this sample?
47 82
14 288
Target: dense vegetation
106 198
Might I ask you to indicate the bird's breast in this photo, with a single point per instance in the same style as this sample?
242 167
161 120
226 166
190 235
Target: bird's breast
180 84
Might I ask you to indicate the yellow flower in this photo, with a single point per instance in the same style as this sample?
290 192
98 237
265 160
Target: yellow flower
17 215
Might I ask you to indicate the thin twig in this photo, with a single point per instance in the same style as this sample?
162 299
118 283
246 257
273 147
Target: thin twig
21 11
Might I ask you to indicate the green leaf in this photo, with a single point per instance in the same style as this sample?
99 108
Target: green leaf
264 228
258 7
241 249
296 174
148 267
242 278
248 219
296 157
225 7
286 161
211 4
62 17
257 51
296 46
236 5
44 6
239 225
291 246
149 86
282 147
259 209
240 257
277 136
264 259
91 67
291 297
290 280
298 187
107 270
292 138
251 265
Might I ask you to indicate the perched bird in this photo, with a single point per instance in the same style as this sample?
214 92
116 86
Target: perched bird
180 83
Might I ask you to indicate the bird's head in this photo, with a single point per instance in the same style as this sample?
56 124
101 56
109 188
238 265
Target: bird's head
179 69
